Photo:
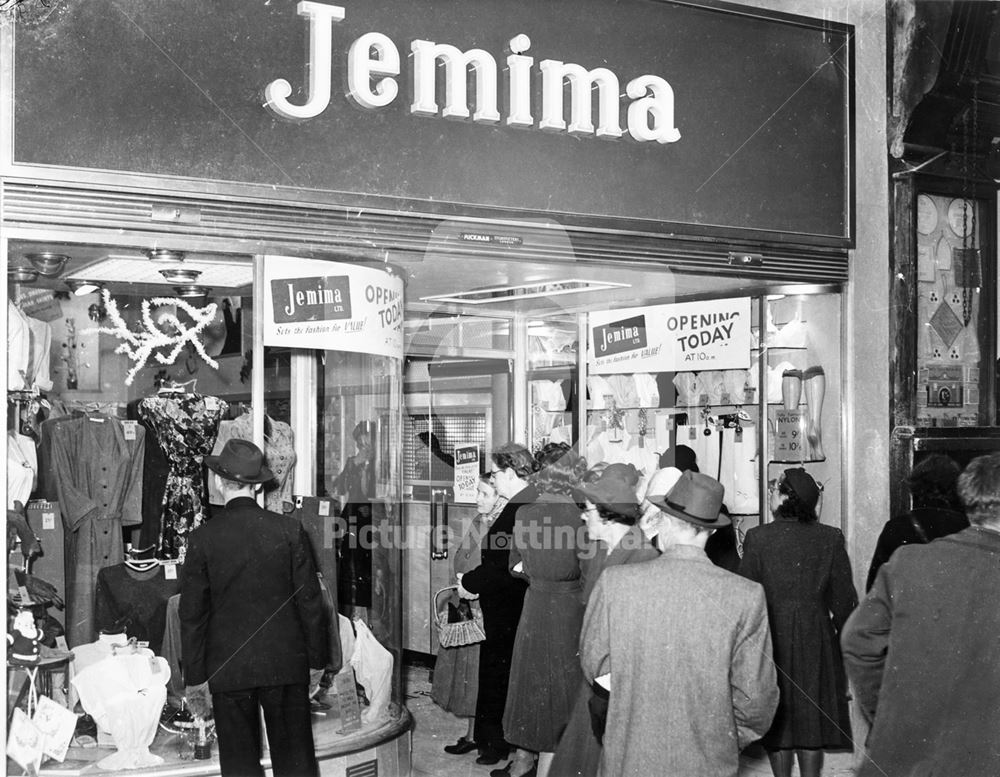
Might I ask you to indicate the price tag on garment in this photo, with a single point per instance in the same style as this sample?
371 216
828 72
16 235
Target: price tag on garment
154 665
48 520
703 399
61 643
323 508
129 428
170 571
211 403
23 593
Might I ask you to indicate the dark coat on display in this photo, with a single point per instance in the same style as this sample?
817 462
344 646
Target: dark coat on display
934 522
501 597
251 609
921 651
806 576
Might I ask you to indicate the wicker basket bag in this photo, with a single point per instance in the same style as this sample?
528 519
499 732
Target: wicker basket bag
458 625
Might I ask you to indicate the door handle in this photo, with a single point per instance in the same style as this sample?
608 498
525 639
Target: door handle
439 549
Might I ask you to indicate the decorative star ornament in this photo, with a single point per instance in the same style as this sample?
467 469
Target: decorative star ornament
139 346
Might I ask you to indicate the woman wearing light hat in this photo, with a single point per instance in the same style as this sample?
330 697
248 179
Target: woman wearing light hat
806 575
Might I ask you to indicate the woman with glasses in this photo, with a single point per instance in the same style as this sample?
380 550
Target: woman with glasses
501 597
806 574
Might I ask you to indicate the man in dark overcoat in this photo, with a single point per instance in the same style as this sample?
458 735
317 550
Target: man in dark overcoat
252 624
684 647
921 650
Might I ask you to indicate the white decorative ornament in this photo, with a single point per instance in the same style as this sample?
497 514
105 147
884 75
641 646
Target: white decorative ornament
139 346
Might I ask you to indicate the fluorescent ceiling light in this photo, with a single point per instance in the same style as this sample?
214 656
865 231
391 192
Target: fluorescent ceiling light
497 294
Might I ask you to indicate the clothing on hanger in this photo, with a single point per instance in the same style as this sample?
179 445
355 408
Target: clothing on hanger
186 426
22 468
98 477
135 601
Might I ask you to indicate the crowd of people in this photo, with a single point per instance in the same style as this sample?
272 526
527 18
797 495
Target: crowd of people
616 643
622 639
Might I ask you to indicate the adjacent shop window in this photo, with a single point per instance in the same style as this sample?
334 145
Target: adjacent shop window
950 320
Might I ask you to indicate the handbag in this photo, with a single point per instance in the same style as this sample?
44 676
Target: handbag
460 624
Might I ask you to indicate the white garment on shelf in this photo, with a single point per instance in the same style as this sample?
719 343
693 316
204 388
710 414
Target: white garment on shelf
562 433
598 388
346 638
22 468
687 386
125 695
792 335
713 384
738 471
40 345
18 348
92 652
648 391
373 669
625 390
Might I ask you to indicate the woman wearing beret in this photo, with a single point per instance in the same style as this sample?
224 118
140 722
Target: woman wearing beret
806 574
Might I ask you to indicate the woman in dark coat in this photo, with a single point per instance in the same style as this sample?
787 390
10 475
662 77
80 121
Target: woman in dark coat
545 673
611 511
501 597
936 511
806 574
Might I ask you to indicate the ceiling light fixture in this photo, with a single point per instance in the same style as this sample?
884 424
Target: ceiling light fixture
82 288
180 275
21 275
48 263
165 255
192 291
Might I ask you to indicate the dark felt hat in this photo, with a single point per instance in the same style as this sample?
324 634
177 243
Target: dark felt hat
695 498
241 461
613 491
802 484
626 472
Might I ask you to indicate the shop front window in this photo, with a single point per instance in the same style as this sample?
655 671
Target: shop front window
129 368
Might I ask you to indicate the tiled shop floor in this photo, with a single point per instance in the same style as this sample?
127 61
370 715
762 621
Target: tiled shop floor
434 728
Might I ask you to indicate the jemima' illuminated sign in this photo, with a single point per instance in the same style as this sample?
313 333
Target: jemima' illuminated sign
373 66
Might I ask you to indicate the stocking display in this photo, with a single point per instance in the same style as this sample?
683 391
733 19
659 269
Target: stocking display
814 384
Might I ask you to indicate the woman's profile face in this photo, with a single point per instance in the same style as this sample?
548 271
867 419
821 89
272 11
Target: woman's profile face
486 497
775 497
590 516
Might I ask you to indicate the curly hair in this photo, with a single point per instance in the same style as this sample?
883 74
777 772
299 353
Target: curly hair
516 457
560 469
934 482
793 506
979 487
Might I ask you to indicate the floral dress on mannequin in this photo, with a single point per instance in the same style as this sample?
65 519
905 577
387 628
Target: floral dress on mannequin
185 426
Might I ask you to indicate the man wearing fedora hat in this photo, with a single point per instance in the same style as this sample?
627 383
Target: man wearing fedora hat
684 647
252 623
